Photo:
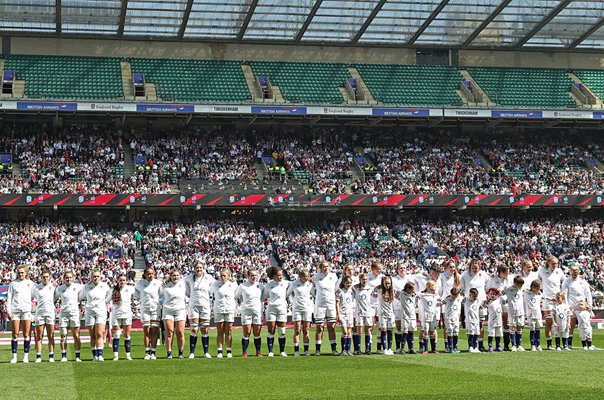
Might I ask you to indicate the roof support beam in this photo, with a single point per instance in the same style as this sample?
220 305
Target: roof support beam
309 19
368 21
185 19
247 19
587 34
486 22
552 14
58 16
120 27
427 22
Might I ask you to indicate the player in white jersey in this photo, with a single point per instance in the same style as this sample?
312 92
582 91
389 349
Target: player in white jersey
275 292
345 312
97 295
532 311
44 294
421 280
560 324
302 309
584 322
121 316
475 277
363 314
385 295
69 315
408 299
472 307
249 294
223 291
374 279
198 285
147 291
398 282
173 297
501 280
449 278
551 277
348 270
429 315
576 289
495 324
527 273
452 306
19 298
515 299
324 291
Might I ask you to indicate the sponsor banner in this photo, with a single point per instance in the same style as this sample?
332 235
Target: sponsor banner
563 114
516 114
598 114
50 106
126 107
3 292
339 111
467 113
166 108
223 109
8 105
402 112
278 110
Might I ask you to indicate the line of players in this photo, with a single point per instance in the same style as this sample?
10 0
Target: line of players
356 303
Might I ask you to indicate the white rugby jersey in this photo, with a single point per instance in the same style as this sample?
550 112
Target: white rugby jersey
173 296
477 280
325 289
250 295
374 281
584 320
124 308
528 278
576 290
45 299
386 306
452 309
96 296
420 285
362 299
515 298
346 300
276 294
408 305
561 313
472 311
148 294
428 306
19 296
446 282
495 281
224 296
198 289
532 305
302 295
495 313
551 281
69 297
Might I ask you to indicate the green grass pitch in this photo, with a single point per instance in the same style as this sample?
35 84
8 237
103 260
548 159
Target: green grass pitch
546 375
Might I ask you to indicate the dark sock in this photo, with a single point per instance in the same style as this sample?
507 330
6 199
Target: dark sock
518 339
389 339
245 342
557 342
455 341
497 342
490 339
433 344
383 339
258 344
506 338
282 344
192 343
270 341
205 342
116 345
128 344
14 343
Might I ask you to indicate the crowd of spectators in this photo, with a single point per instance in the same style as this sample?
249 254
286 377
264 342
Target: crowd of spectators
92 158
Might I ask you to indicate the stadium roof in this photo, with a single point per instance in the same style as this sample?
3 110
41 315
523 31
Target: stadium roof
452 23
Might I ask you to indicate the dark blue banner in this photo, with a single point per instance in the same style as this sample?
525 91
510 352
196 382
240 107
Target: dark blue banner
3 292
401 112
598 114
516 114
55 106
168 108
278 110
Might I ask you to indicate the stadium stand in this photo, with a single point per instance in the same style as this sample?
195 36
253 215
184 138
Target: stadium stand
525 87
194 80
67 78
